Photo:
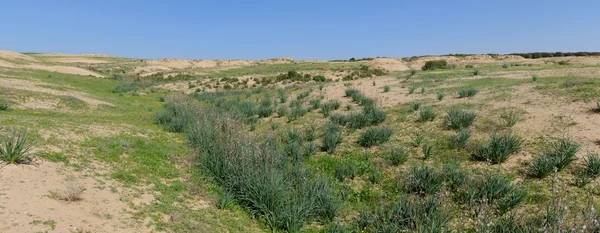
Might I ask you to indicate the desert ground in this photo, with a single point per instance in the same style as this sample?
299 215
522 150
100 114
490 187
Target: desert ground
284 145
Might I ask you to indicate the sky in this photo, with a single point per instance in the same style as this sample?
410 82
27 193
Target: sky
309 29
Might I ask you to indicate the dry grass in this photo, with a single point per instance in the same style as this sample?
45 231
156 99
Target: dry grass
72 191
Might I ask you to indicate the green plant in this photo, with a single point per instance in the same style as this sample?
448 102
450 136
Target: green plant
597 109
398 156
505 66
265 111
581 179
351 92
328 107
411 89
592 164
422 91
440 95
436 64
282 111
406 215
374 83
332 137
557 158
510 118
16 148
315 103
541 167
427 151
467 92
418 140
386 88
345 170
461 138
424 180
475 72
534 77
454 175
4 106
415 105
427 114
374 136
412 72
225 201
498 149
459 118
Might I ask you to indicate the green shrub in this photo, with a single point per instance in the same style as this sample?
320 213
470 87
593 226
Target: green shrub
351 92
16 148
435 64
468 92
398 156
592 165
534 77
332 137
386 88
368 117
296 113
411 89
427 114
415 105
374 136
459 118
424 180
161 99
225 201
129 87
563 153
492 189
422 91
499 148
541 167
461 138
505 66
315 104
247 108
475 72
265 111
440 95
4 106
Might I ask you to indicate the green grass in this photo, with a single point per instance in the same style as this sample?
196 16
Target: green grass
16 148
499 148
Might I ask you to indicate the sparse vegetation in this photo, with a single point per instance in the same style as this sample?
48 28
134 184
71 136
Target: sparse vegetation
374 136
467 92
16 148
498 149
435 65
386 89
459 118
427 114
558 157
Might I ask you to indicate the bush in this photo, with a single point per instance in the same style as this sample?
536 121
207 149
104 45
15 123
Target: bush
368 117
265 111
345 170
458 118
282 111
411 89
128 87
424 180
454 175
16 148
386 88
436 64
499 148
296 113
315 104
475 72
351 92
534 77
427 151
461 138
332 137
469 92
560 155
494 190
161 99
374 136
398 156
427 114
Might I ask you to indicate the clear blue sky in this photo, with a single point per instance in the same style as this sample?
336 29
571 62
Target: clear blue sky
308 29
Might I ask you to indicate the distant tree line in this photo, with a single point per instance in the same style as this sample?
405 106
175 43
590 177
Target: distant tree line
536 55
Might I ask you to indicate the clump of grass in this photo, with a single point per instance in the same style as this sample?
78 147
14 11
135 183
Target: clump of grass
374 136
415 105
351 92
498 149
418 140
427 114
592 165
411 89
440 95
315 104
328 107
386 88
225 201
454 175
282 111
332 137
398 156
422 91
161 99
16 148
467 92
475 72
459 118
4 106
491 189
72 191
561 154
427 151
510 118
597 109
345 170
461 138
424 180
534 77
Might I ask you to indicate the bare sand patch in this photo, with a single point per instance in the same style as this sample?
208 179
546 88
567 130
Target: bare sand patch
33 86
14 55
76 60
390 64
27 201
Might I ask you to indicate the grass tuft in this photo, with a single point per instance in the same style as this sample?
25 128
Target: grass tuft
427 114
458 118
498 149
16 148
467 92
374 136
